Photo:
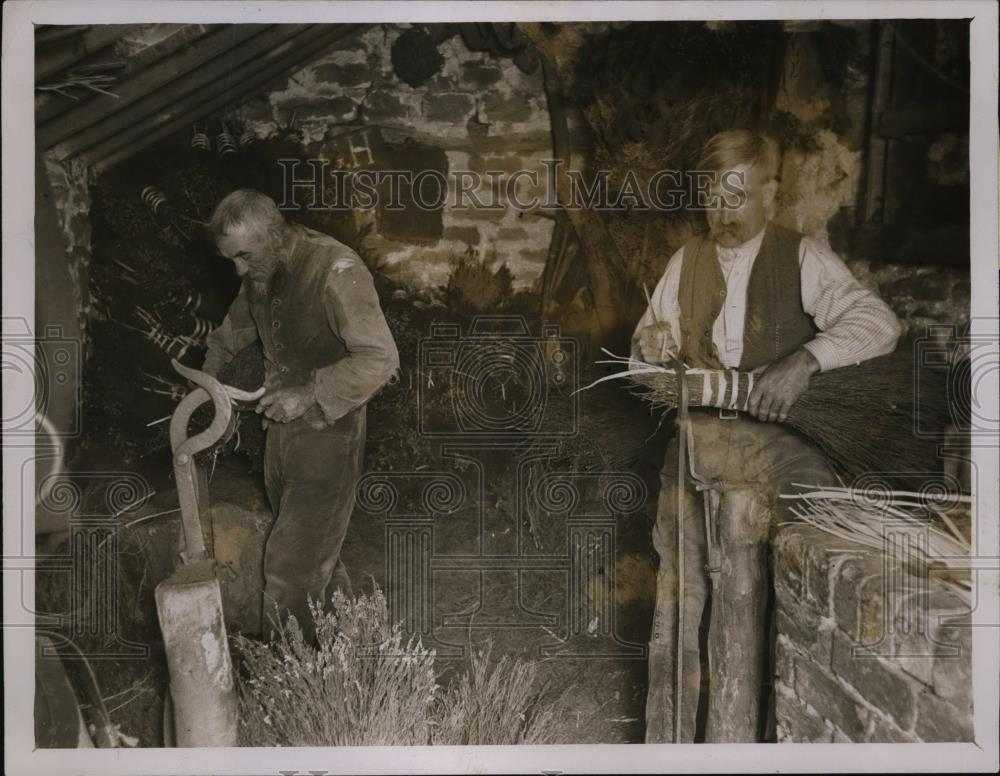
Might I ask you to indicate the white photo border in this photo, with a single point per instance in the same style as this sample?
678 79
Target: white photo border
18 302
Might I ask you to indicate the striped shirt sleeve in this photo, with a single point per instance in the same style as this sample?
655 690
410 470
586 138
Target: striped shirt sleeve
855 324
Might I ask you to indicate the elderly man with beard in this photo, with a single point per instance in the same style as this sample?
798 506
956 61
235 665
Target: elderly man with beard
753 296
311 303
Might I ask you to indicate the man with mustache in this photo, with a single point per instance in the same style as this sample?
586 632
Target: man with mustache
754 296
311 302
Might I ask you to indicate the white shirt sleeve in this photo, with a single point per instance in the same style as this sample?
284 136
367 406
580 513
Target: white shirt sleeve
665 305
855 324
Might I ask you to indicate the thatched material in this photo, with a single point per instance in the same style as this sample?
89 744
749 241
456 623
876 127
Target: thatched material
938 525
365 685
864 418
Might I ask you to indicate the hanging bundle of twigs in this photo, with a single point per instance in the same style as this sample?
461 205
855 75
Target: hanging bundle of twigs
884 415
936 528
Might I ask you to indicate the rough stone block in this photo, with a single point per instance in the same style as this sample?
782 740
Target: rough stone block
337 107
513 109
511 233
801 725
509 164
875 680
927 286
818 568
938 720
802 627
484 213
449 106
784 664
952 676
840 737
346 75
881 731
789 564
858 600
480 75
534 254
384 104
920 667
476 163
825 694
466 234
919 646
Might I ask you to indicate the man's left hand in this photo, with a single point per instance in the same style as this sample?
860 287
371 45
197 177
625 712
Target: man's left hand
287 404
779 385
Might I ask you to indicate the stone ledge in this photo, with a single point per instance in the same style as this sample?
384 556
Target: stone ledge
873 666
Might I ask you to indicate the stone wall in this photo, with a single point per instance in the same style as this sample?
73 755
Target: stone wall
481 110
864 654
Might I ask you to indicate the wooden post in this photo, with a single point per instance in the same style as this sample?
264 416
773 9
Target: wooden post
737 634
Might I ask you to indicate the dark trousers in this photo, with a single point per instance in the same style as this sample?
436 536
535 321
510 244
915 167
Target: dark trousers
748 463
310 475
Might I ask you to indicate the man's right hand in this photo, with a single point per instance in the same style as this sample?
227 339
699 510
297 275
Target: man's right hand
655 342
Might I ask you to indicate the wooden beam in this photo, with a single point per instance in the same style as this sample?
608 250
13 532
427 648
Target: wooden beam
48 63
277 63
144 84
48 105
47 34
223 71
877 146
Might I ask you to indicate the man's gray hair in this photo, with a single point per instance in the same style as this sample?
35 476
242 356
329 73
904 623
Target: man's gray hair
730 149
246 207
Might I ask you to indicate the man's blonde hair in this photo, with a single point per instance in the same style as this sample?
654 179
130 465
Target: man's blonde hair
730 149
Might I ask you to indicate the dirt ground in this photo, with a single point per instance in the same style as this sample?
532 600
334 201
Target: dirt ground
509 560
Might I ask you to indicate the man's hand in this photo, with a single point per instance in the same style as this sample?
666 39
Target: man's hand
655 341
779 385
287 404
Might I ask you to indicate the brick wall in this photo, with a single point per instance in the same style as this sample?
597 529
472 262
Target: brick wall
857 658
919 295
483 111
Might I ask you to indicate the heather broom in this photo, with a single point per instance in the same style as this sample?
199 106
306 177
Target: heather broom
364 684
864 418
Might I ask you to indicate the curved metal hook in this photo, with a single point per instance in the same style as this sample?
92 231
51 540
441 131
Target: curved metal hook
222 397
184 447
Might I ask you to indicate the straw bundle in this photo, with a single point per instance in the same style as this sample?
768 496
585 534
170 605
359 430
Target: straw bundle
938 528
367 684
864 418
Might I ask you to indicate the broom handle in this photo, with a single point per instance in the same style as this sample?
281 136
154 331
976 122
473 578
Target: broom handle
682 430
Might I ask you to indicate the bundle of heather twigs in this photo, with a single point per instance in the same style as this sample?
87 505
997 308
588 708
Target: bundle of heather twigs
883 415
938 527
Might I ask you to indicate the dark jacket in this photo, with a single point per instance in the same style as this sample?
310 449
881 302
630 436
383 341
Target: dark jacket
318 319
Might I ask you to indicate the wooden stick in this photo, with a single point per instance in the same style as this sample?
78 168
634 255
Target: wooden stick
649 301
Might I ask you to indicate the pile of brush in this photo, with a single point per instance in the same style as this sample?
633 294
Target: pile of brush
929 532
366 684
884 415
